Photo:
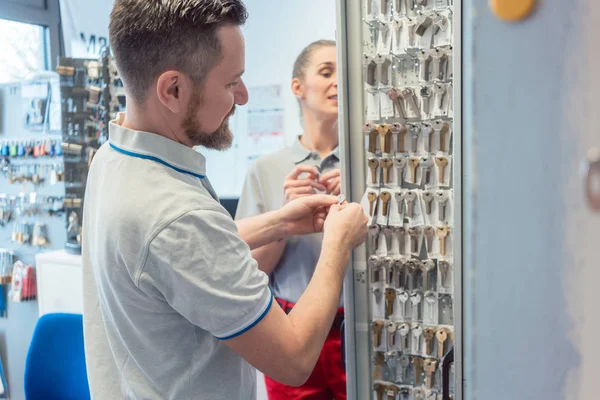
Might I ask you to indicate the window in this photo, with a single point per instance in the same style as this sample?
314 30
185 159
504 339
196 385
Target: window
22 50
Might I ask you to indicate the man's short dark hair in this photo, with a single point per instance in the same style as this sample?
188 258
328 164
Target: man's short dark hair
150 37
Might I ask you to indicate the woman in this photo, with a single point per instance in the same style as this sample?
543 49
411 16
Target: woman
309 166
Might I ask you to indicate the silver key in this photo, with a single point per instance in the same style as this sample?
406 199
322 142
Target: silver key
397 100
421 3
427 130
398 272
426 267
374 234
401 232
410 26
400 198
392 329
411 267
417 331
415 235
444 267
409 95
418 394
430 299
404 362
438 127
400 165
440 23
404 393
424 59
437 56
426 164
426 94
404 330
374 264
441 197
428 197
414 137
410 203
440 91
387 232
422 24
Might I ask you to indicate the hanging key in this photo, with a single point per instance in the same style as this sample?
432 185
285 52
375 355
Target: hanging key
441 197
392 329
413 164
422 23
397 100
400 199
410 203
404 330
376 328
410 27
388 233
386 164
378 360
371 71
398 272
418 364
415 299
391 391
409 96
385 198
426 267
414 137
404 394
421 3
415 235
429 366
401 233
437 56
373 164
419 394
443 138
444 267
390 296
442 233
428 198
374 264
400 164
442 163
424 59
439 89
428 335
427 129
379 390
385 138
401 131
426 163
441 336
372 197
425 93
374 234
372 134
390 272
411 268
440 23
429 232
438 127
430 300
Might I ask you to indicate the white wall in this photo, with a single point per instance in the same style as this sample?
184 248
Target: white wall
275 34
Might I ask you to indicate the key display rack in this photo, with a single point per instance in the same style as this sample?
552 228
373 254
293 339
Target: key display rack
409 196
91 95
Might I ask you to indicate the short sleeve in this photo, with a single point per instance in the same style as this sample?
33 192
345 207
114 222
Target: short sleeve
206 272
251 201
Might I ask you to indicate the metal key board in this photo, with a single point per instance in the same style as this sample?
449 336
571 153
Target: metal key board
409 193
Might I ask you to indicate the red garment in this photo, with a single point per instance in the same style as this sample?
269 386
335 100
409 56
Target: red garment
328 379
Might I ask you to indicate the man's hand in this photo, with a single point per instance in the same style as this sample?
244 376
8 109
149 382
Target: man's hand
306 214
331 180
295 188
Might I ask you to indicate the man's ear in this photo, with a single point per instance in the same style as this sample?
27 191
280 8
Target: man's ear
172 90
297 88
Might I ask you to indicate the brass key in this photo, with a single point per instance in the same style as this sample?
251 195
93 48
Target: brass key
373 164
385 138
402 139
442 233
441 163
441 335
418 363
372 196
370 131
392 391
443 134
376 327
429 232
390 296
429 366
385 198
428 334
378 360
379 390
386 164
398 102
413 164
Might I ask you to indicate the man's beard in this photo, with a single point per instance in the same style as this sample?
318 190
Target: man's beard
221 139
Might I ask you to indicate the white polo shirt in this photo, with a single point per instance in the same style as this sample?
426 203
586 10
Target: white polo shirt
166 276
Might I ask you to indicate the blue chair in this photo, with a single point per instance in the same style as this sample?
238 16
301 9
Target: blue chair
55 365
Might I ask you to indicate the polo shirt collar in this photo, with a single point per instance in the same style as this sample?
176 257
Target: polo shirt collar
157 148
301 153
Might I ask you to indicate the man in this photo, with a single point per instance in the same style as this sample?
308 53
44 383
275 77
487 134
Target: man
175 307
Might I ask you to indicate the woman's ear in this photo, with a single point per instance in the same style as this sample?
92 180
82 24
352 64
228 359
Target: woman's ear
297 88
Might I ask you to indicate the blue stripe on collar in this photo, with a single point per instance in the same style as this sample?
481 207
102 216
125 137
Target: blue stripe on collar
152 158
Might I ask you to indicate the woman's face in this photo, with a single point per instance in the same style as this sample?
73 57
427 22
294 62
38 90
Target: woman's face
318 89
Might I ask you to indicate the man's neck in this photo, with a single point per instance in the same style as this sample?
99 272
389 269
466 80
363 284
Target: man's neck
140 119
320 135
